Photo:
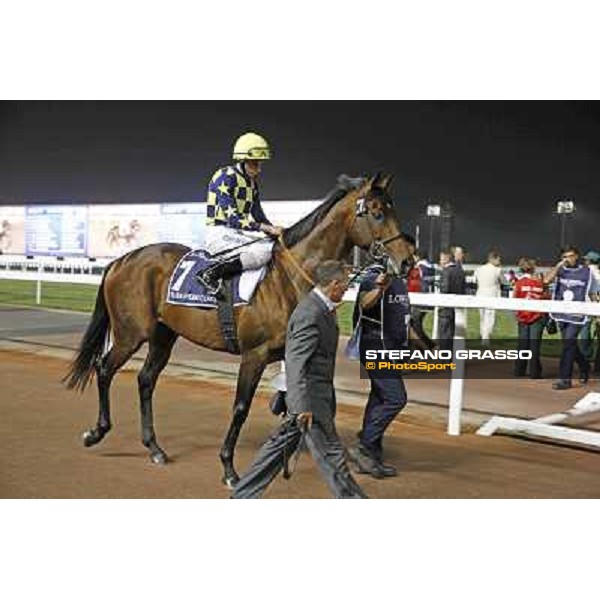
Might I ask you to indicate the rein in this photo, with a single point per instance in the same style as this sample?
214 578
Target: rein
377 243
285 250
390 239
295 262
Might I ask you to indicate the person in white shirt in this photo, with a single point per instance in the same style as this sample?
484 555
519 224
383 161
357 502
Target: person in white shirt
592 260
489 280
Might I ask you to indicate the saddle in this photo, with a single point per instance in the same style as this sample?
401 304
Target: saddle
185 290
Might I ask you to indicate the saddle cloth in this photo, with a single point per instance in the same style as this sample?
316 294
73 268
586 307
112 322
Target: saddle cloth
186 290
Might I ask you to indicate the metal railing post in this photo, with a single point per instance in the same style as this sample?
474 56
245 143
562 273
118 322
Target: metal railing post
436 321
38 291
457 383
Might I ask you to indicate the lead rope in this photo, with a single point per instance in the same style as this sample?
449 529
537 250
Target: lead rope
287 471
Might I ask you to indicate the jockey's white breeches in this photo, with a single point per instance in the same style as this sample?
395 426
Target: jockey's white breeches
219 239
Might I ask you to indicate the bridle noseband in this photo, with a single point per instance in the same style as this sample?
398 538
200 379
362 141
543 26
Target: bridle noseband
377 250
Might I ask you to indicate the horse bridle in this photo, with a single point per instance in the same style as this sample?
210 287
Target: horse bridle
377 249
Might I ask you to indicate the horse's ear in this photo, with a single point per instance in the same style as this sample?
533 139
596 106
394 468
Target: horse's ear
386 182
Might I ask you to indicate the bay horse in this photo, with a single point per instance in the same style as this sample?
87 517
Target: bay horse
131 309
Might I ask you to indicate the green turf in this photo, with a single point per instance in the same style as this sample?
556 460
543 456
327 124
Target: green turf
74 296
504 334
505 326
81 297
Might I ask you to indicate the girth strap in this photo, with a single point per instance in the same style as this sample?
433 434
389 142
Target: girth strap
227 317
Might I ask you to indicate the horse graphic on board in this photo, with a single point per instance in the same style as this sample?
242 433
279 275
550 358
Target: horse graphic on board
126 241
6 236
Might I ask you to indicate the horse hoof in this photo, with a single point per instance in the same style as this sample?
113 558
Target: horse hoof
230 481
90 438
159 458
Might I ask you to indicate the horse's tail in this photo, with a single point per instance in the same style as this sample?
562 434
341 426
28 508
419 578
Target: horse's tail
92 345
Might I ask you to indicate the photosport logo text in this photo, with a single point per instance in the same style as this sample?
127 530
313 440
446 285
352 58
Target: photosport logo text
388 362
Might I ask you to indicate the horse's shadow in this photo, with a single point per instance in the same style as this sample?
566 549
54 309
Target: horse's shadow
120 454
172 457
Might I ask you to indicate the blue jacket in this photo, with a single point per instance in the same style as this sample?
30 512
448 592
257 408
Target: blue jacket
389 318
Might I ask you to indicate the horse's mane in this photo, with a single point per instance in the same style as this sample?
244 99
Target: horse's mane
298 231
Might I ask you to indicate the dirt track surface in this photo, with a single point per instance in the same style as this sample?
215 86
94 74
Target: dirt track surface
42 455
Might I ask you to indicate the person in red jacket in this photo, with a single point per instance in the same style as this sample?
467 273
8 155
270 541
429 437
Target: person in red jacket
531 324
414 283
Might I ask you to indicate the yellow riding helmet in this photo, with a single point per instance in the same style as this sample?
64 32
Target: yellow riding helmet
251 146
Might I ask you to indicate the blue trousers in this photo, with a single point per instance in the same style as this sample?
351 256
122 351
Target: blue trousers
386 399
570 351
530 338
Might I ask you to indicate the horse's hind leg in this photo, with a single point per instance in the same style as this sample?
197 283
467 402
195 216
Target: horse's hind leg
116 357
160 346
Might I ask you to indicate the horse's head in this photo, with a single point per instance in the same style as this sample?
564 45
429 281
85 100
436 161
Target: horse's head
376 228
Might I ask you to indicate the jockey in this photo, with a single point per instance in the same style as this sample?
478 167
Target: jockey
234 215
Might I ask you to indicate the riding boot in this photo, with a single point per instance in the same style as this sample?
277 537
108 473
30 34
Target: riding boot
212 276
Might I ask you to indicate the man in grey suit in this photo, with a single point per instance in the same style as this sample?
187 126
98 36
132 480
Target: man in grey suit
311 345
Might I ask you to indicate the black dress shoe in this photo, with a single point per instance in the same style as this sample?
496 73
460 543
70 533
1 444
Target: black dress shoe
561 385
360 459
584 377
386 470
367 464
380 470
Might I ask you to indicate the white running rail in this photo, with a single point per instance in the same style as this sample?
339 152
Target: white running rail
17 268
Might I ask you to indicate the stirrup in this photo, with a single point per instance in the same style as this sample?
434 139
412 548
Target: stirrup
211 287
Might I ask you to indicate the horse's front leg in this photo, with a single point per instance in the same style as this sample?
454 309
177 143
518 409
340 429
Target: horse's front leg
251 371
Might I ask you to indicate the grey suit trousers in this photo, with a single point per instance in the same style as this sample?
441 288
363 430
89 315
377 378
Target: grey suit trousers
323 443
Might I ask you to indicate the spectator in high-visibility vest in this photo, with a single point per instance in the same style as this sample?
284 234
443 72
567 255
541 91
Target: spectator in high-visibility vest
530 323
573 282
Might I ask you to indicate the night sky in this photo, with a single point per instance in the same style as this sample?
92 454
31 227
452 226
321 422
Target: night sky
502 165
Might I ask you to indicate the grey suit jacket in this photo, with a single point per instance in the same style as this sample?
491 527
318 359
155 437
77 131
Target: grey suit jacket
310 349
